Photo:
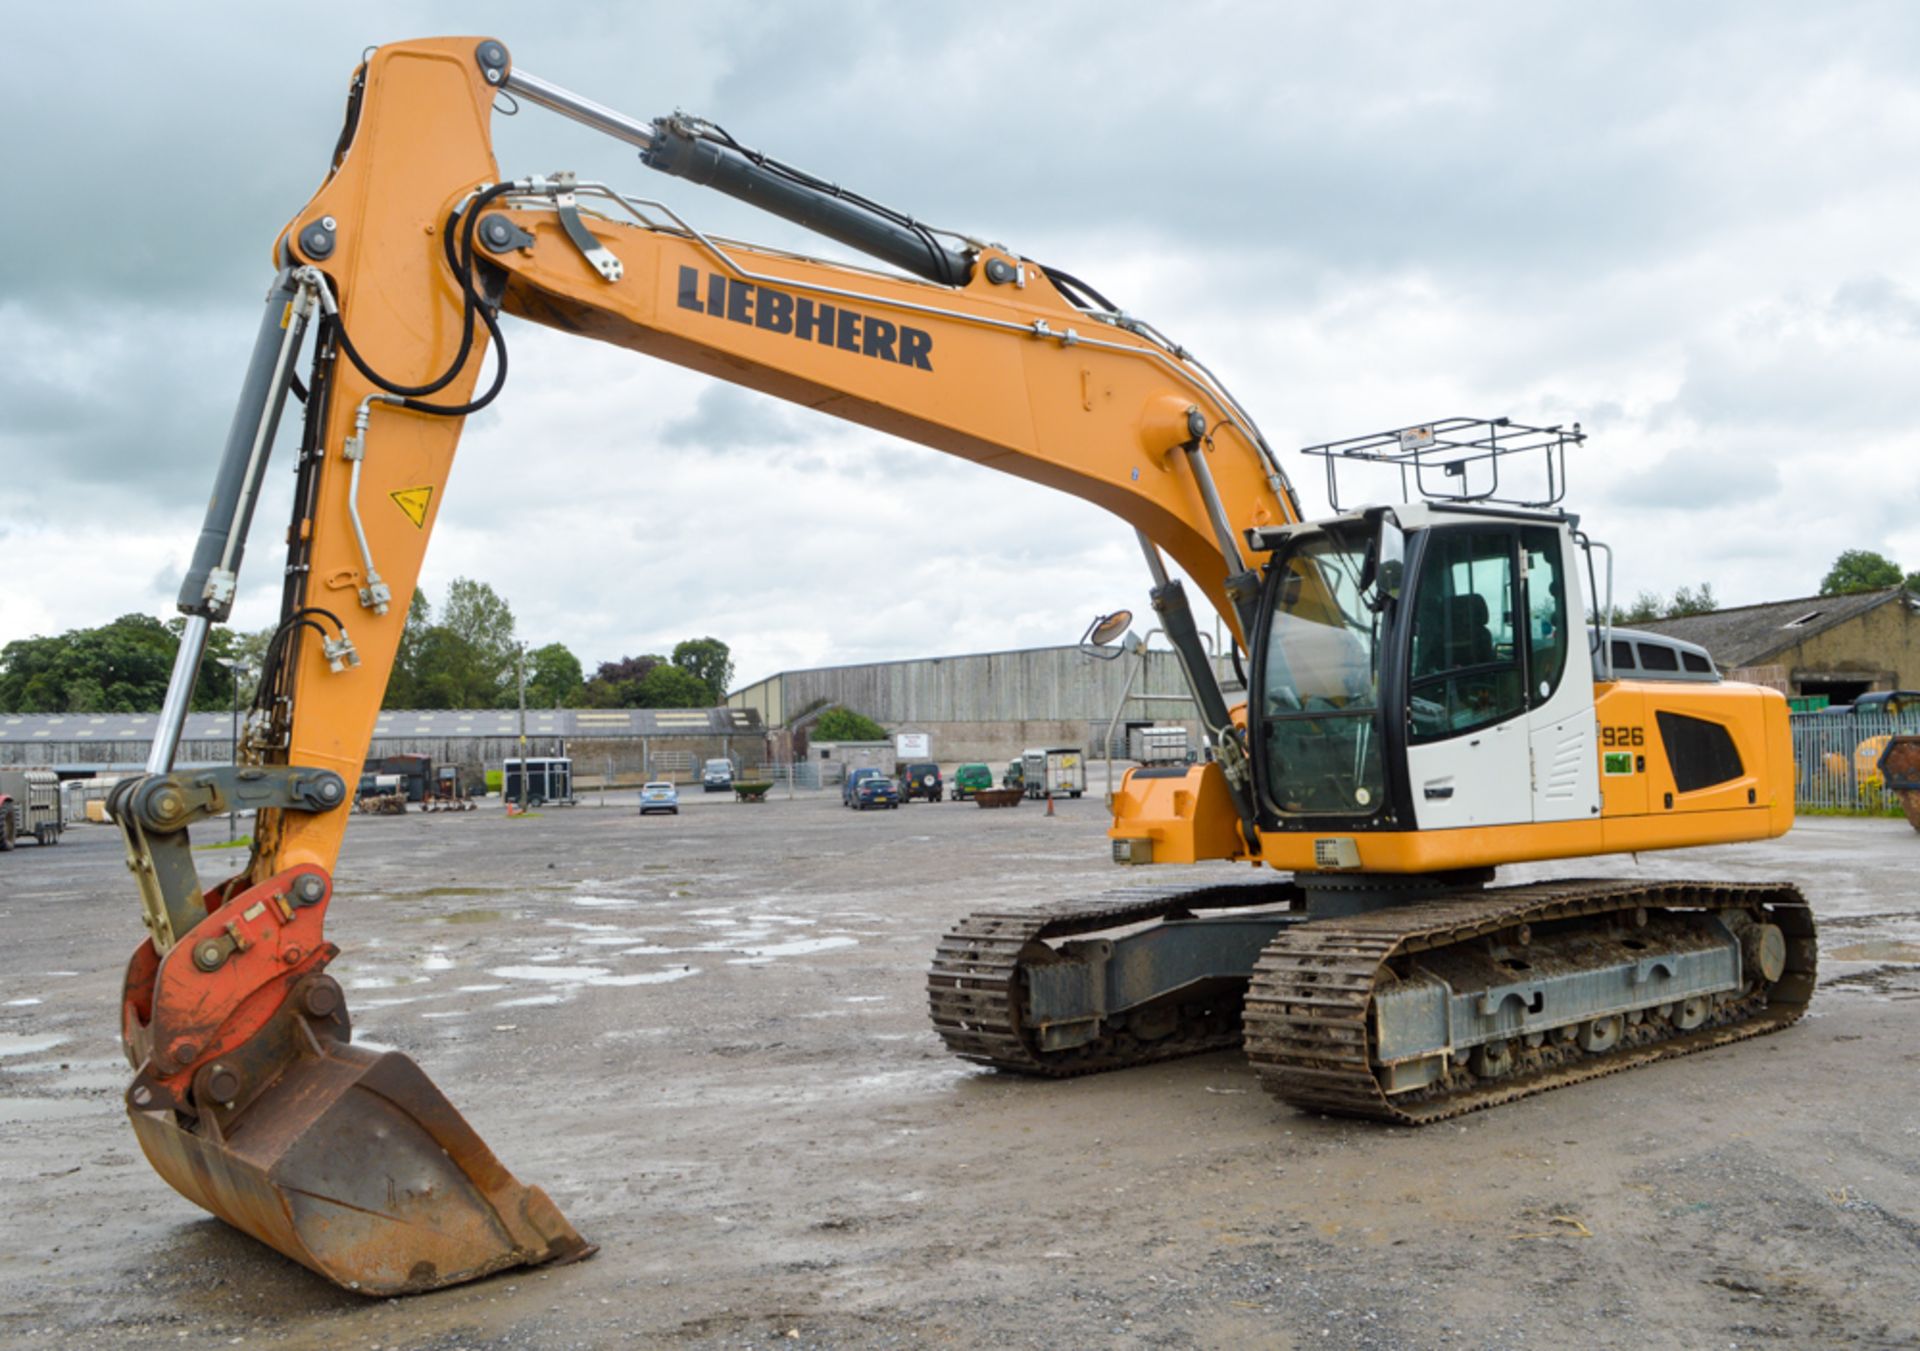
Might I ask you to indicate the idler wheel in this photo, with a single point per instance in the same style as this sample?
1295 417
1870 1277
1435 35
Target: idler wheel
1601 1034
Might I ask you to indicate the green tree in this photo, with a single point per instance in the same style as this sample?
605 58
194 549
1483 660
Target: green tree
475 613
670 686
1687 601
1645 606
1913 581
710 661
465 660
616 684
554 678
843 724
120 667
1860 570
403 684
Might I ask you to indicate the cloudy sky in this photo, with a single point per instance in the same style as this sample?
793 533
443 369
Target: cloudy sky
1690 228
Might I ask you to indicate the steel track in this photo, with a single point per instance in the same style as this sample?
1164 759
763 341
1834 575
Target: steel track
1307 1025
975 990
1305 1018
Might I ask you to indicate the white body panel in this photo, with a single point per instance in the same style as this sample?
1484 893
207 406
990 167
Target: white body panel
1479 779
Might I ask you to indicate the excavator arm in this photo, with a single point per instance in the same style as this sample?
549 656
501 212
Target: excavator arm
249 1097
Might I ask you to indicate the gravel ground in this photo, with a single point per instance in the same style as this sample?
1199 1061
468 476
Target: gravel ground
706 1037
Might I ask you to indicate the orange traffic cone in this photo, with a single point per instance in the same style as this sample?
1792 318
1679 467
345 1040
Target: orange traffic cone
1049 804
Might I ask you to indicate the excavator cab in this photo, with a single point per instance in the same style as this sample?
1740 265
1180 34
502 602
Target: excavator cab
1410 661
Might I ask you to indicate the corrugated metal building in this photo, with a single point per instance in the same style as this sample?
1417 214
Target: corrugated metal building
629 743
987 705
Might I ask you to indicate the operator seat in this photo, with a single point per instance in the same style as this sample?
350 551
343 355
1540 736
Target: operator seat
1469 641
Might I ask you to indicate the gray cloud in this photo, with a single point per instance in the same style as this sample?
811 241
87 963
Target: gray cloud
1684 226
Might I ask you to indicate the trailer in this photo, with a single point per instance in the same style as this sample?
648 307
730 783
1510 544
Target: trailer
29 806
549 781
1159 745
1054 771
414 770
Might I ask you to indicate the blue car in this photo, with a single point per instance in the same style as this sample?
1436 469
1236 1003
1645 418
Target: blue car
855 777
878 791
659 797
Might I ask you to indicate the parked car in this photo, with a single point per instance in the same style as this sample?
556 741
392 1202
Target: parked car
920 779
856 777
659 796
877 791
971 779
716 776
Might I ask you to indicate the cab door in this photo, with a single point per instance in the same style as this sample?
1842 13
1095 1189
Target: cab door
1468 736
1565 765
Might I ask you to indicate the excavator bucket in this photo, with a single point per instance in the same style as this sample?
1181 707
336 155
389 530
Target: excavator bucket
353 1164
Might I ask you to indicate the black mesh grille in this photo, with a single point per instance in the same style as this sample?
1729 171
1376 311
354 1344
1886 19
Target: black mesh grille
1701 752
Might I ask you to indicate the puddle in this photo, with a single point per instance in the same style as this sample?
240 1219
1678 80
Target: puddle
466 917
800 947
480 989
13 1043
20 1003
14 1110
436 961
605 903
1876 950
529 1000
577 974
81 1074
649 978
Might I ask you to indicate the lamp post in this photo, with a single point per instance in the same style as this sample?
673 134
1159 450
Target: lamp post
239 670
520 678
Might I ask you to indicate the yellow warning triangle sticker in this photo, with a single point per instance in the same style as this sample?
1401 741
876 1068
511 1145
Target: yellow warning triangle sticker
414 501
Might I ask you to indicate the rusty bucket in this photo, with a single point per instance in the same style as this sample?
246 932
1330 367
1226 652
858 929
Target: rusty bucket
352 1163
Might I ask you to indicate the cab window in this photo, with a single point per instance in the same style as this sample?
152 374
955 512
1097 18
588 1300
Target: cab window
1466 653
1546 611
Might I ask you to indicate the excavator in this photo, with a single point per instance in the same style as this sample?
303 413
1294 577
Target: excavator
1427 695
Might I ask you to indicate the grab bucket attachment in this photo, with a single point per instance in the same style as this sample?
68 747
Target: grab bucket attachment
352 1163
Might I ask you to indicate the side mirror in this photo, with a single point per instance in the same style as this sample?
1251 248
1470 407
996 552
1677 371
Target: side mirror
1385 571
1108 627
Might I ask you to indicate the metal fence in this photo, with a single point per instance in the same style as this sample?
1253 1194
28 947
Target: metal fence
1836 759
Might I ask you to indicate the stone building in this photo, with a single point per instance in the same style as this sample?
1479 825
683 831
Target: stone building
1837 646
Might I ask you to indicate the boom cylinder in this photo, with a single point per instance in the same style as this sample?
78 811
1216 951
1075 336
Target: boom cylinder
700 159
